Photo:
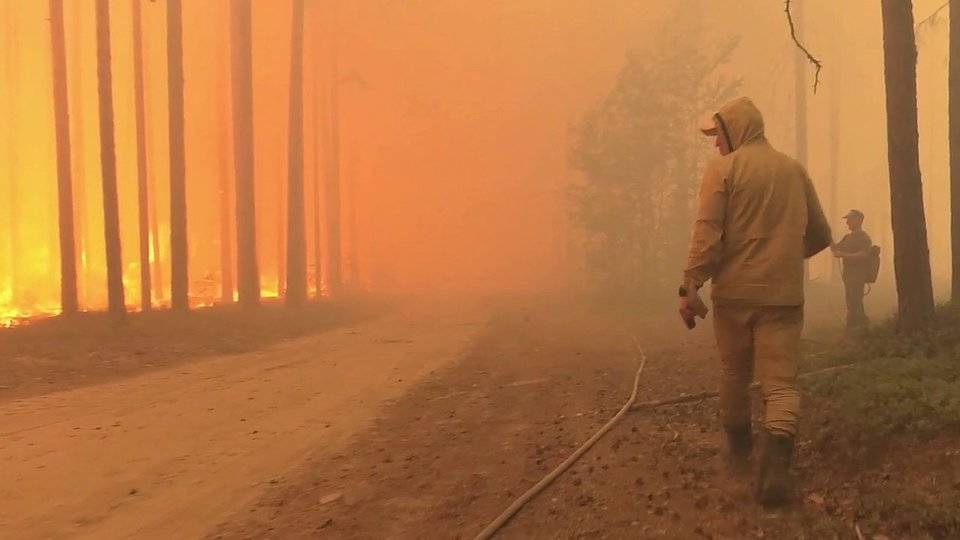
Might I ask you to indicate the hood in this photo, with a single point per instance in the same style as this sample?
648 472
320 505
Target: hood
740 122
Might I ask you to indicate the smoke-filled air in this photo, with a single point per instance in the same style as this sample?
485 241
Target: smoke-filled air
477 269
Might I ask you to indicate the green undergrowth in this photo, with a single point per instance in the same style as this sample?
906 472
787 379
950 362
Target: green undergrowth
895 384
889 424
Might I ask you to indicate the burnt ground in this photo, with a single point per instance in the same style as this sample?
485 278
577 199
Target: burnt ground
448 457
60 353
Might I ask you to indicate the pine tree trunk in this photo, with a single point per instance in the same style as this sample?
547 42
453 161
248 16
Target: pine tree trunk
226 195
296 234
954 120
143 206
248 278
334 264
61 111
911 254
319 144
178 196
108 164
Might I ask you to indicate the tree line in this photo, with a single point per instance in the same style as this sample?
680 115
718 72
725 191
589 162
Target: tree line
242 118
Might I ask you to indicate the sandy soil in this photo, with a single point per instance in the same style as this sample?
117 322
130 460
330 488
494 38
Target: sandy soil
168 453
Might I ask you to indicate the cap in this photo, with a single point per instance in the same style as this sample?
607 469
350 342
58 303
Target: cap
708 126
854 214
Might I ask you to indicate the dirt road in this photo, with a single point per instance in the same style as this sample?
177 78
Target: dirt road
450 455
426 422
169 454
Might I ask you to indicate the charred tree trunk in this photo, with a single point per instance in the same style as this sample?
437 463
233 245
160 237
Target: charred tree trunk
296 233
248 277
108 164
954 92
143 206
178 195
911 254
334 245
226 195
61 111
319 144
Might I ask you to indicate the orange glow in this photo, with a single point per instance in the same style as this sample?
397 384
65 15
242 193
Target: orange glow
455 127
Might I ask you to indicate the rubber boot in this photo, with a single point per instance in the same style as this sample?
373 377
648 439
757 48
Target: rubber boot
739 446
774 486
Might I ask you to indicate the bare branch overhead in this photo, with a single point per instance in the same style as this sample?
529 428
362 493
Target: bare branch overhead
810 57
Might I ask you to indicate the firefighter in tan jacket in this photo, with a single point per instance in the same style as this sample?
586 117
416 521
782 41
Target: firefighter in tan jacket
758 218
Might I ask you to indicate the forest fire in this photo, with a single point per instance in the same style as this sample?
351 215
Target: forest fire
11 317
401 269
352 229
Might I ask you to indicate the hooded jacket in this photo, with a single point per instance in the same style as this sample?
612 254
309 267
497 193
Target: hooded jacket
758 218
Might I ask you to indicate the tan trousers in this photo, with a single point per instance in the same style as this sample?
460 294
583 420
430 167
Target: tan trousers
764 340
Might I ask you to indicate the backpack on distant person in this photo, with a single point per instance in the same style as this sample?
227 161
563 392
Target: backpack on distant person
873 264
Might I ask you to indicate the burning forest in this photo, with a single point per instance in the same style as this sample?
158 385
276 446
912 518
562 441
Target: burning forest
537 268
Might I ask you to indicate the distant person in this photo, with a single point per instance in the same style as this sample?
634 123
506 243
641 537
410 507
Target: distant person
758 218
854 250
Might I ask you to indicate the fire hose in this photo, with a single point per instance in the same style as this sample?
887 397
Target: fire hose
490 530
502 519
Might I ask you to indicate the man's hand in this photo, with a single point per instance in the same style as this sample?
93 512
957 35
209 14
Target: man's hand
691 307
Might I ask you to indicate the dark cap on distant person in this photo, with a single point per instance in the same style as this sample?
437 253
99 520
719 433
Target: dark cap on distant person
854 214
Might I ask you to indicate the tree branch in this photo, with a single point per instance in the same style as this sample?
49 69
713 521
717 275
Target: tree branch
810 57
933 15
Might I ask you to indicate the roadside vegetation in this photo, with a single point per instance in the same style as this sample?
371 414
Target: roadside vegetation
883 434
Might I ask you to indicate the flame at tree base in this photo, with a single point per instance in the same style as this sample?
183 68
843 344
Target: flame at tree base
12 315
